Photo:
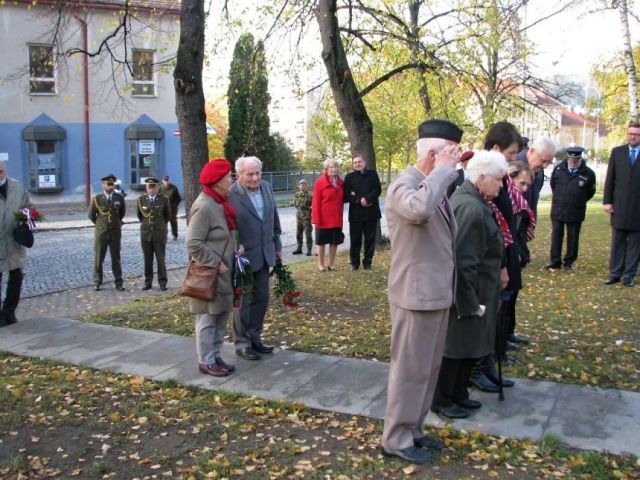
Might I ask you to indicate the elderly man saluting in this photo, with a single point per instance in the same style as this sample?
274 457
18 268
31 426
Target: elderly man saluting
258 225
421 287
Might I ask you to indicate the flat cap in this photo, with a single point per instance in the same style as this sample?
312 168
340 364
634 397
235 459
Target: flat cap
108 178
440 129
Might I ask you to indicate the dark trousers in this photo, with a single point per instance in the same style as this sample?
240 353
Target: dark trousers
452 381
573 238
625 253
357 230
173 221
112 241
149 249
248 322
12 295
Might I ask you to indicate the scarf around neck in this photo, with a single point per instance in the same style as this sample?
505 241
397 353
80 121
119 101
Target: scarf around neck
229 212
507 238
519 203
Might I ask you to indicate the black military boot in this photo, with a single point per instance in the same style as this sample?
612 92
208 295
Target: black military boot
297 251
309 252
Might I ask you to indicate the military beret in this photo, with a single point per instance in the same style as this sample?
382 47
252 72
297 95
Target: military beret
575 151
468 155
108 178
151 181
440 129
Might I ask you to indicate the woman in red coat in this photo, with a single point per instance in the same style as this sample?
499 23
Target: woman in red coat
326 213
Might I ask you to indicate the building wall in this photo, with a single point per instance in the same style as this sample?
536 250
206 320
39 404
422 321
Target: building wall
111 107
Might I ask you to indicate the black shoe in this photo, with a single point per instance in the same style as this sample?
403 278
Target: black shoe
147 287
508 360
452 411
247 353
96 287
518 339
309 254
354 268
512 346
9 318
568 267
552 266
120 288
629 282
262 348
409 454
297 251
3 322
469 404
428 442
367 267
480 381
611 281
175 237
492 376
163 287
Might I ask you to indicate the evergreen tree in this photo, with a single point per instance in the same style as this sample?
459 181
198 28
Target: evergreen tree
248 100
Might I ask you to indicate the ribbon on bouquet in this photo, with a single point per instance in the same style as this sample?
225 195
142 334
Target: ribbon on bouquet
241 262
29 221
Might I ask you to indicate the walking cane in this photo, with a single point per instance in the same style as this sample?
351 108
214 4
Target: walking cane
498 349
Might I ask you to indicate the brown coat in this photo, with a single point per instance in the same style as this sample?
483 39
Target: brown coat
206 237
422 234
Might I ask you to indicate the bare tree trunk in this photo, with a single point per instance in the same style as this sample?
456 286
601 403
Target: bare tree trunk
345 93
629 64
423 91
190 105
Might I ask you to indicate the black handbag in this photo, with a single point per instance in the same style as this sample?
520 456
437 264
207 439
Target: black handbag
23 235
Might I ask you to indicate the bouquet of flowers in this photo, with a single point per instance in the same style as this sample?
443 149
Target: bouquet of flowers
29 216
242 279
285 286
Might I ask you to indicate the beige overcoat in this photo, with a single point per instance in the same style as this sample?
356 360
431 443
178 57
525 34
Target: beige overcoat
12 254
206 237
422 233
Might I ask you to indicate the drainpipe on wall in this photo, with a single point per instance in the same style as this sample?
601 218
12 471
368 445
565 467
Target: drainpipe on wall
85 87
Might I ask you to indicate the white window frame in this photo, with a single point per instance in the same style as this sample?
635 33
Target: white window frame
142 83
42 79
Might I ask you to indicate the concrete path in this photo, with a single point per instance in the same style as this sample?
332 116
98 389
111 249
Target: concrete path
583 417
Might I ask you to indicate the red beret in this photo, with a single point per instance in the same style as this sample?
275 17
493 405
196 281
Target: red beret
468 155
214 171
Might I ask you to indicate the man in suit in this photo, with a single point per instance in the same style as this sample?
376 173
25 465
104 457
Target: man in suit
13 256
622 202
153 211
106 211
539 156
421 286
170 191
573 184
361 190
258 226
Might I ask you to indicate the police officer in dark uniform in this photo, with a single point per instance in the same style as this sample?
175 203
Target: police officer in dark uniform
154 211
302 202
573 184
170 191
106 211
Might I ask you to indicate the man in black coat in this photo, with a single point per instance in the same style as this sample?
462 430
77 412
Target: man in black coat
361 190
622 202
573 184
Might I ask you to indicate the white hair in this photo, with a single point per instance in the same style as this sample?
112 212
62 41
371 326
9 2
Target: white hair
328 162
486 162
425 145
242 160
541 144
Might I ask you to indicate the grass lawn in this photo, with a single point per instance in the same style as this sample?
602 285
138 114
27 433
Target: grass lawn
582 331
61 421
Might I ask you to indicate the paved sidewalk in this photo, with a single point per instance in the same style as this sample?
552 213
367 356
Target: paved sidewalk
583 417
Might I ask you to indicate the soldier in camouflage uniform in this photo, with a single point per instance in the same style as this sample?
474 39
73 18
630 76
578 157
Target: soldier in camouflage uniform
154 211
302 202
106 211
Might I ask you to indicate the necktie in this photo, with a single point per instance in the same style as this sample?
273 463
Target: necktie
109 199
632 156
572 170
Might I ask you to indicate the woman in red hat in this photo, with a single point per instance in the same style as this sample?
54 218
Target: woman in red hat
210 238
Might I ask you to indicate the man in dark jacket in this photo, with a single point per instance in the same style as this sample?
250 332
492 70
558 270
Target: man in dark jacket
153 211
622 201
361 190
539 156
170 191
573 184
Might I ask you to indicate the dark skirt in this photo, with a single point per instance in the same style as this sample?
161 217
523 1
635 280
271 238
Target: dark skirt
331 236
